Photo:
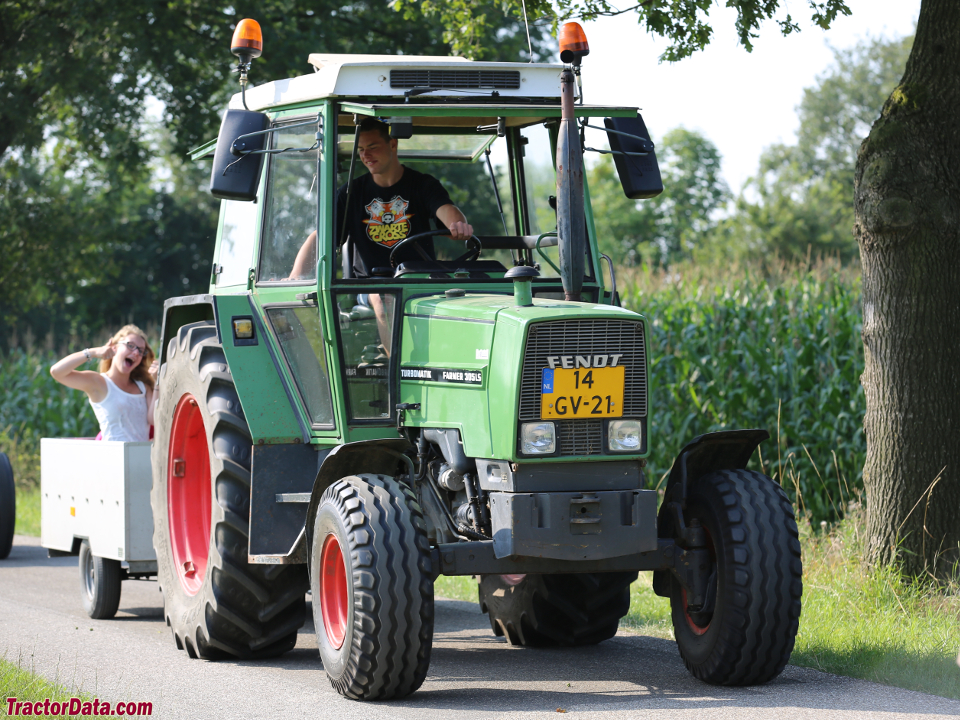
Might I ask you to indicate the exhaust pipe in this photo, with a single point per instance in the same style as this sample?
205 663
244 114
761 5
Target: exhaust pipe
571 221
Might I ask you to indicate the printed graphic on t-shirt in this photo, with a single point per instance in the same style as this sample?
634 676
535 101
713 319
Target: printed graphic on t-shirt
389 222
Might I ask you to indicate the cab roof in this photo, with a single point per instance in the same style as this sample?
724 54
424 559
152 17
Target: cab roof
401 76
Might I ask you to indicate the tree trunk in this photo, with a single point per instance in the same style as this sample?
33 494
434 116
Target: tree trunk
908 228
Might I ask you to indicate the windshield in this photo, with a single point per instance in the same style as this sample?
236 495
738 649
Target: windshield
474 167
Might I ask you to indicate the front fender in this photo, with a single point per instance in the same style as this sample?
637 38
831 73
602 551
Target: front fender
381 456
725 450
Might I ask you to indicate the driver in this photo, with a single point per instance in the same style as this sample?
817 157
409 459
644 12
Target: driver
391 203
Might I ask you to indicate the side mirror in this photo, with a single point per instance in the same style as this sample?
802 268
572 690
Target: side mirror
639 174
236 176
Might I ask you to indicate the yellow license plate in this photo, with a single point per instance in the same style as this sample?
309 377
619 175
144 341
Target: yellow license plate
582 393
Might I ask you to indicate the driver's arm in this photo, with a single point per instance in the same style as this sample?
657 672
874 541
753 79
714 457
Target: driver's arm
306 255
455 221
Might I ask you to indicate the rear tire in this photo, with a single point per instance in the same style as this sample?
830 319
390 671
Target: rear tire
99 584
546 610
372 588
216 603
8 506
747 637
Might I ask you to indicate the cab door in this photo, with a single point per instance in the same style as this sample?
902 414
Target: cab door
285 287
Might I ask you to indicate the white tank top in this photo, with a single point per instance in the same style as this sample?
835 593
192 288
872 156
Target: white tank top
122 416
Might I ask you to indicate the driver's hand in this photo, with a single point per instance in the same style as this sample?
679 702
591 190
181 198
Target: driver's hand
461 231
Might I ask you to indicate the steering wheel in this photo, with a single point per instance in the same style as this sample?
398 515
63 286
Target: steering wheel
474 248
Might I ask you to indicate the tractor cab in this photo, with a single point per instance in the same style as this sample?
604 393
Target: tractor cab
488 132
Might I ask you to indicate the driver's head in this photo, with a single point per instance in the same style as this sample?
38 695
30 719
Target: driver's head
377 150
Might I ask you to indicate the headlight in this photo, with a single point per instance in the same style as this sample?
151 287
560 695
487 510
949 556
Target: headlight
539 438
624 436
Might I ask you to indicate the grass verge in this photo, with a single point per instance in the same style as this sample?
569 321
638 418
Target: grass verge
27 687
28 511
875 623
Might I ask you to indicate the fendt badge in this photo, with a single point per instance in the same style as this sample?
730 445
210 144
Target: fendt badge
571 362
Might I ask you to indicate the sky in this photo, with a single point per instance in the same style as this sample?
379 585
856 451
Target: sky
743 102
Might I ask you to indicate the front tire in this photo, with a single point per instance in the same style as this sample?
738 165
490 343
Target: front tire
8 506
546 610
99 584
216 603
746 630
372 588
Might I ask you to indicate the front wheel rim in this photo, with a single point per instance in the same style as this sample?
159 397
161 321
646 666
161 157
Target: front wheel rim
188 494
694 626
333 591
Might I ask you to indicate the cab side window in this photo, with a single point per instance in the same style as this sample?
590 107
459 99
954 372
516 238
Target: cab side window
289 250
237 239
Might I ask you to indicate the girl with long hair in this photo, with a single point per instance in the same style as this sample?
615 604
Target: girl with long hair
121 394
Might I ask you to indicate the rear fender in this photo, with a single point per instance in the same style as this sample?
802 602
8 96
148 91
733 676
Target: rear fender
180 311
382 456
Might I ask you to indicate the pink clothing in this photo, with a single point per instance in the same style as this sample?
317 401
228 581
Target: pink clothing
122 416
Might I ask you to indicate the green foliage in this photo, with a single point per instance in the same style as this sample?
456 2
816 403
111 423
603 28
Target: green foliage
779 351
802 196
668 227
34 405
101 246
683 22
28 509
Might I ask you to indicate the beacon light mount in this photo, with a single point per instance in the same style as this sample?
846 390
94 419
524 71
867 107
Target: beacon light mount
247 44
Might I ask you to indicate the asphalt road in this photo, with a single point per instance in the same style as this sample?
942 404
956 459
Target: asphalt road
473 674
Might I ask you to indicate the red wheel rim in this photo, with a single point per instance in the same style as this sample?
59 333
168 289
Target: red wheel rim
333 591
513 579
188 494
696 629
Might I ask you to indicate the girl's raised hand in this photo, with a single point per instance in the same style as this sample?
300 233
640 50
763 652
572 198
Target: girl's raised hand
106 352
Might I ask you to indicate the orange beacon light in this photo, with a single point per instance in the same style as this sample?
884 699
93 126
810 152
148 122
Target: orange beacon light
247 42
573 43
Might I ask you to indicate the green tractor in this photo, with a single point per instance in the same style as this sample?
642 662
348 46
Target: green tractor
478 410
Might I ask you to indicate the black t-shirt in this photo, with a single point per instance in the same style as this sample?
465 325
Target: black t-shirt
380 217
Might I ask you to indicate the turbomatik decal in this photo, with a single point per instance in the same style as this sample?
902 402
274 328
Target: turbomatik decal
449 375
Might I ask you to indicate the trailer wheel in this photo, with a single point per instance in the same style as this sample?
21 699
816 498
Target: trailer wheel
8 506
372 588
216 603
545 610
99 584
745 631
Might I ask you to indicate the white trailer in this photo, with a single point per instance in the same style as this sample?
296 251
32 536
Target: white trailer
95 504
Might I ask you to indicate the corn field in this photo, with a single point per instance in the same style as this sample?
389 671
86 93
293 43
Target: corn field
777 351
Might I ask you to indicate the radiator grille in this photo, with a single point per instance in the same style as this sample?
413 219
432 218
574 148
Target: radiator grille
586 337
456 79
581 437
